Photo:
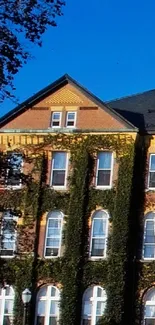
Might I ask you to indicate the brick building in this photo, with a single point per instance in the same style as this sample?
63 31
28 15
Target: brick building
77 208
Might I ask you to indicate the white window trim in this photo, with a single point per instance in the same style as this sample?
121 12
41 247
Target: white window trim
106 236
150 188
15 242
57 126
3 298
94 299
59 250
71 126
48 300
150 244
58 187
111 174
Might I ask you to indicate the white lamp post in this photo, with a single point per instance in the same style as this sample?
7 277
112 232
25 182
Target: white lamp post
26 297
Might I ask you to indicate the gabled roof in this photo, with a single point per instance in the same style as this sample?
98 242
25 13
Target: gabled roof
56 85
139 109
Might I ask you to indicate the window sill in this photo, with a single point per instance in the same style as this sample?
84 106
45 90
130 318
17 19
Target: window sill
9 187
51 257
97 258
103 187
147 259
59 188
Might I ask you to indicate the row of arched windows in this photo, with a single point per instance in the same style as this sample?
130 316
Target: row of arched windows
48 305
99 233
54 228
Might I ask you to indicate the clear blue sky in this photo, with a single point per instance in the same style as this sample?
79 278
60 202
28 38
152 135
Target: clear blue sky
106 45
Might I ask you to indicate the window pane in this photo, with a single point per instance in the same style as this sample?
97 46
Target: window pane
52 252
8 320
8 308
59 160
149 251
98 247
58 178
53 321
40 320
54 223
41 307
100 308
150 311
152 165
42 291
87 309
53 242
71 116
54 309
56 116
103 178
152 179
86 322
99 227
149 321
52 232
104 160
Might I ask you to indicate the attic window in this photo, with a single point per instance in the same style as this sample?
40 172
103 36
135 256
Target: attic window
56 120
71 119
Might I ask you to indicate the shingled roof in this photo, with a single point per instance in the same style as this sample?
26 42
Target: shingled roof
56 85
139 109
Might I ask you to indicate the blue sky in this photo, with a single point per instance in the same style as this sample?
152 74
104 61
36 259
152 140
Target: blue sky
106 45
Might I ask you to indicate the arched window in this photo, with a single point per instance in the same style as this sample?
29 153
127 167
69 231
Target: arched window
149 307
99 234
53 234
149 236
6 305
93 306
47 309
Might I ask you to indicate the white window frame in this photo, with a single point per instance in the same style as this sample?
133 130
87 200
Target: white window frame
74 120
60 243
111 171
60 187
3 298
144 236
15 219
105 237
150 171
148 303
56 120
94 300
48 298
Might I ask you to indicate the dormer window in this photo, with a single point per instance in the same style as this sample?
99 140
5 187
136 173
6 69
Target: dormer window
71 119
56 120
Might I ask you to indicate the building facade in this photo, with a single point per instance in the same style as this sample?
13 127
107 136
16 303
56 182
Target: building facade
77 214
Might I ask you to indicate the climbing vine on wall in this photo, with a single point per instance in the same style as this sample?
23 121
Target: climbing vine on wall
74 270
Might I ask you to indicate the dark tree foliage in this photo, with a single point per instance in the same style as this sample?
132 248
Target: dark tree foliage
21 21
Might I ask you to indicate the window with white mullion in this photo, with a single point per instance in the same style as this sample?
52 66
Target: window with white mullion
149 307
149 237
6 305
104 169
71 119
93 306
48 306
59 169
53 234
8 234
99 234
56 119
151 176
